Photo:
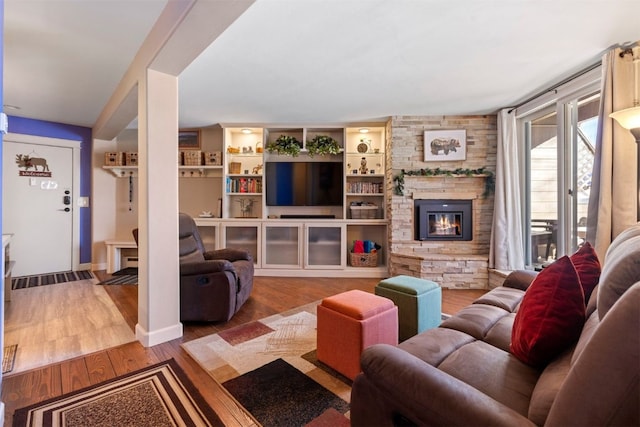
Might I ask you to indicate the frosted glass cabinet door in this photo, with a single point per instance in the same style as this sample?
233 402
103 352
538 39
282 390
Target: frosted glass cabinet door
281 246
242 237
208 236
325 248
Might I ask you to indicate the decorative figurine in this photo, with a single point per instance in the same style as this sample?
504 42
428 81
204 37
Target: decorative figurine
246 207
363 166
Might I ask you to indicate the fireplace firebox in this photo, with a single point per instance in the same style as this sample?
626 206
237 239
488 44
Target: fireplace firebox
443 219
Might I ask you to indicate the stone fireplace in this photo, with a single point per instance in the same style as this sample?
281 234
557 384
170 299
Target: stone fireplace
455 255
443 219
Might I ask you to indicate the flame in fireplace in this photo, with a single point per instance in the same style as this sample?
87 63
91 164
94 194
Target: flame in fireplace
444 224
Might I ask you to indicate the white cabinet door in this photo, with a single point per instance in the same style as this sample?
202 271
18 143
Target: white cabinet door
281 246
325 246
243 235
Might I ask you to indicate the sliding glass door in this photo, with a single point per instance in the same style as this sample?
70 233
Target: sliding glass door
543 179
560 146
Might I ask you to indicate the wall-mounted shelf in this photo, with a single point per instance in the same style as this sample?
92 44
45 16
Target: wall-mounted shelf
199 171
122 171
184 171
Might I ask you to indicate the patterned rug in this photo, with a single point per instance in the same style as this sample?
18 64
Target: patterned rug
126 276
261 364
49 279
124 279
160 395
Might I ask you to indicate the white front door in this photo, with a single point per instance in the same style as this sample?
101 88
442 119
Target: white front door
38 206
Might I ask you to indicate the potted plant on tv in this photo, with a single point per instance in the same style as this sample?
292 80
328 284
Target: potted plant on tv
322 145
286 145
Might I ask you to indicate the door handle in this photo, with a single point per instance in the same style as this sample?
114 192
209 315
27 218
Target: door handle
65 209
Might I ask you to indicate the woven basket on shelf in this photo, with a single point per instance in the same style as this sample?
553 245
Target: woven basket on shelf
131 158
192 157
212 158
363 260
114 159
235 167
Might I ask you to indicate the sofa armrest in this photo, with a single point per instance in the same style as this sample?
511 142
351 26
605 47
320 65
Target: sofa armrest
426 395
205 267
229 254
520 279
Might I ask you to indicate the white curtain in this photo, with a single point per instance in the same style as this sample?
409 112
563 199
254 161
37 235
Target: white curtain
612 200
507 247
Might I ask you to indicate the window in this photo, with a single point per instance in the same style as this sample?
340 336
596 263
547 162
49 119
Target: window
559 134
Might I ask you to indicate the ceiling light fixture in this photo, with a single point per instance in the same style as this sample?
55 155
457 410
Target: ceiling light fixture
629 118
247 131
364 130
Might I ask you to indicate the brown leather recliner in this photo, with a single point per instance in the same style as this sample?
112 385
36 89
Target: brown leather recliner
213 284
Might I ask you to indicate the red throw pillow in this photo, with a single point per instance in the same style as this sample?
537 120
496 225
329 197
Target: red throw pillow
551 314
588 267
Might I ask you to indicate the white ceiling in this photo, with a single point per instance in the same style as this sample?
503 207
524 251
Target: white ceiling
313 61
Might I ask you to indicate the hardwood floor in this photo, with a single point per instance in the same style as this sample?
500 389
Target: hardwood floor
58 322
271 295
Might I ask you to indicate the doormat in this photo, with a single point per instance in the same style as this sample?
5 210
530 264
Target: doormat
9 358
23 282
154 396
125 279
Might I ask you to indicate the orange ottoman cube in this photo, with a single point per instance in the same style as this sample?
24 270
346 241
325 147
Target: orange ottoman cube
350 322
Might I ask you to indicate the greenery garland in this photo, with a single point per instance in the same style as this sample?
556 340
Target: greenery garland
489 183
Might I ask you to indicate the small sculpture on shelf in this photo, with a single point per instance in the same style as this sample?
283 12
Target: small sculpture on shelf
363 166
257 170
246 207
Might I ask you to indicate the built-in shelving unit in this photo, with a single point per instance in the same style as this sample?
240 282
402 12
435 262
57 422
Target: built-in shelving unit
243 166
295 239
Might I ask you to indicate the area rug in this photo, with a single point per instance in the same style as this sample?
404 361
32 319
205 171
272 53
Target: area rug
160 395
9 357
49 279
280 385
262 364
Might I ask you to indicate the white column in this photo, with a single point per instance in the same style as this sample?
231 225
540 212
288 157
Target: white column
158 266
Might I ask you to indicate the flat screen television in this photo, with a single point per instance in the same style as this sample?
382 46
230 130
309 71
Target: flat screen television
304 183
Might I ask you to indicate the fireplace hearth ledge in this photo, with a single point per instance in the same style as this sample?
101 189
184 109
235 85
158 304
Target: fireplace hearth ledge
455 271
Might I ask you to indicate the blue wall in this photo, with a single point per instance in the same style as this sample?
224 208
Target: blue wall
74 133
1 91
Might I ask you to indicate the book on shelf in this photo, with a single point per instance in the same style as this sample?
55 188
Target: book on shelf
365 187
243 185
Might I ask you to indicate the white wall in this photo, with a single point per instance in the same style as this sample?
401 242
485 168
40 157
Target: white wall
103 193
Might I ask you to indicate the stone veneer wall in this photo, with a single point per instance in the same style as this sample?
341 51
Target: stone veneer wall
452 264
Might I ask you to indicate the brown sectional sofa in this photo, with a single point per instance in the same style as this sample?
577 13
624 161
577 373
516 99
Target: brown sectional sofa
463 372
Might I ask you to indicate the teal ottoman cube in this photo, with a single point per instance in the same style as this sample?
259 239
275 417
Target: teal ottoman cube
419 303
